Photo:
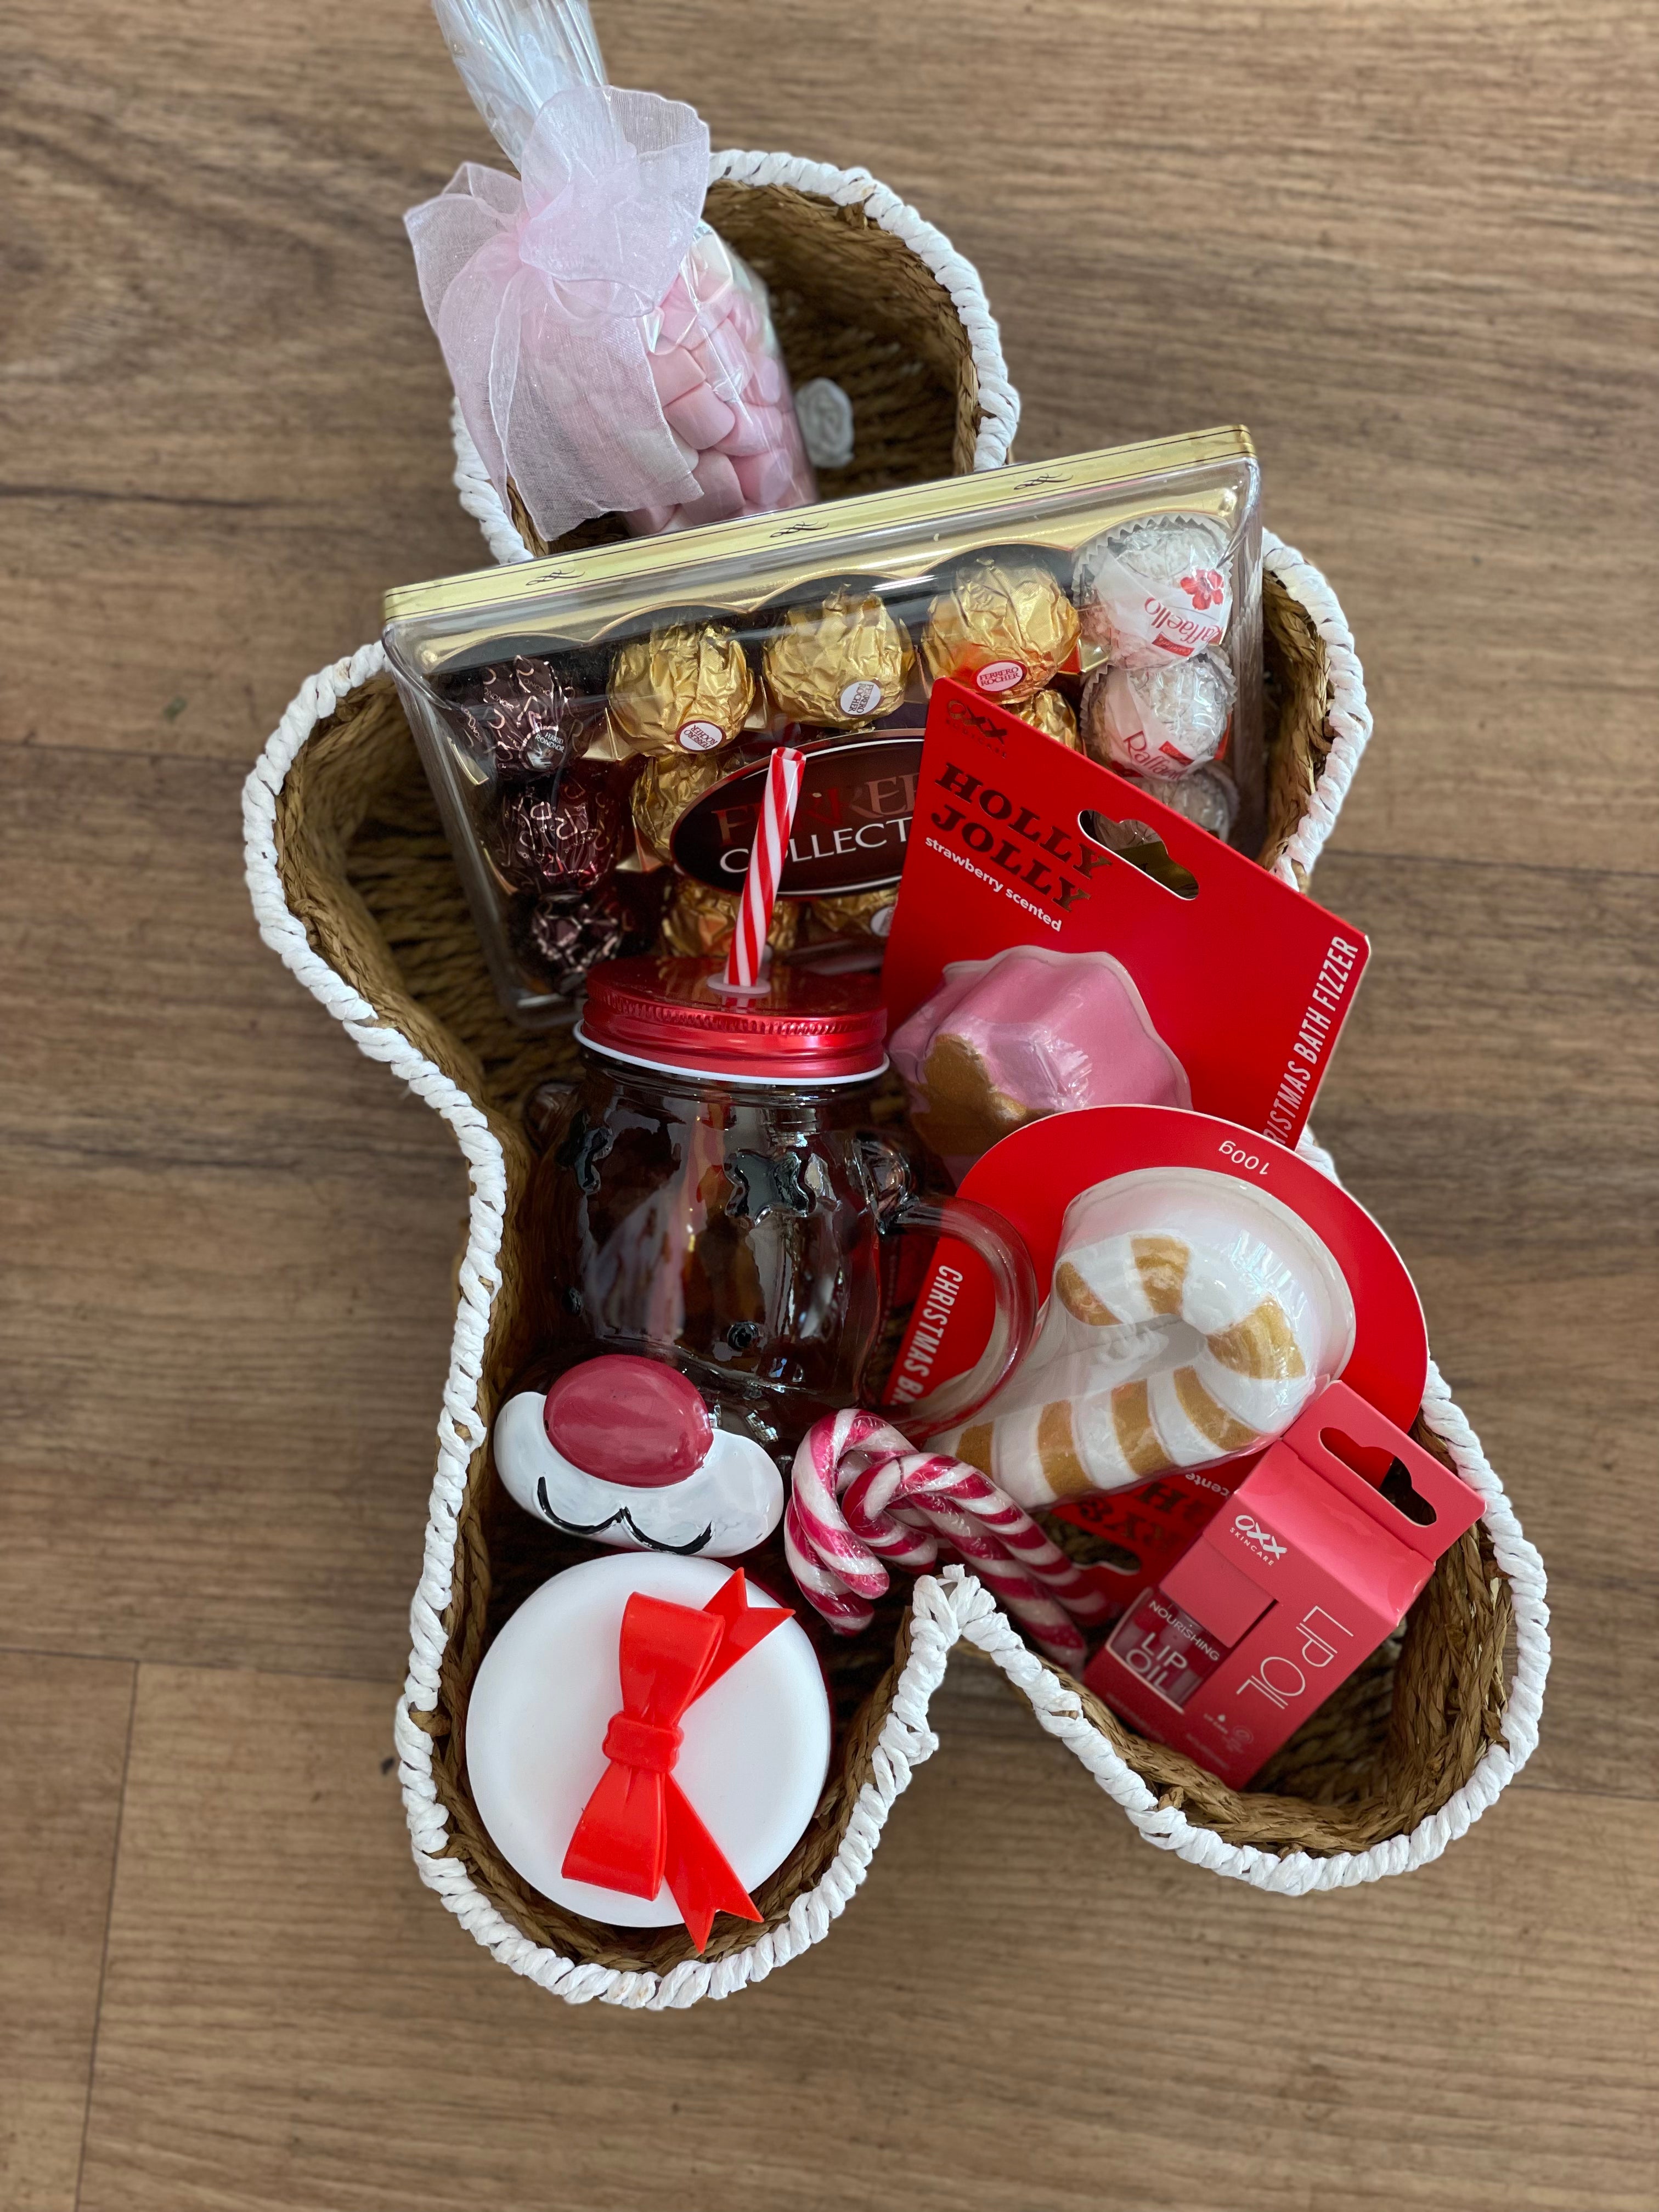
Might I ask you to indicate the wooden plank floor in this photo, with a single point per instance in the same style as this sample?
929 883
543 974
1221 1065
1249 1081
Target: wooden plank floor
1415 246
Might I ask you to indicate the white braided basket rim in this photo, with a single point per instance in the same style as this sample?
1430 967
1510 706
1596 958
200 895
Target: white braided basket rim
944 1607
999 402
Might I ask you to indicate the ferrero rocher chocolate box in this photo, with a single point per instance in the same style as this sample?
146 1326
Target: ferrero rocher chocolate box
596 725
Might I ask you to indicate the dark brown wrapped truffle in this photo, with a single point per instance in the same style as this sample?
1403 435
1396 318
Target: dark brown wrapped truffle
562 833
568 932
518 717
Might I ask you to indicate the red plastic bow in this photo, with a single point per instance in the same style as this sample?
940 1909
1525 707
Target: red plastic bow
638 1829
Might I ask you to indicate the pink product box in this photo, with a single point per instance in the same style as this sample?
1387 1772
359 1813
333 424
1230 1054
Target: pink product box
1310 1565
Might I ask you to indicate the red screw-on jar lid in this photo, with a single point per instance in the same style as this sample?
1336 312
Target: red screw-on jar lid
804 1028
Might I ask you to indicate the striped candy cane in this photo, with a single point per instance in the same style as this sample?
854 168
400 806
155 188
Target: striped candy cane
760 885
861 1495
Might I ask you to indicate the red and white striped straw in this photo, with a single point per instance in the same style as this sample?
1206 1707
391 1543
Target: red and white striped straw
760 885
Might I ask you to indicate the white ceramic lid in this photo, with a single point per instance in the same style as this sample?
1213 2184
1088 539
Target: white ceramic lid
755 1748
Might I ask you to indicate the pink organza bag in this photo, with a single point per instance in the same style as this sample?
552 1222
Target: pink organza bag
609 351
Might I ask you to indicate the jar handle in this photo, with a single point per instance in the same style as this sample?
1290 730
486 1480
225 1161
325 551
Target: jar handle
1013 1283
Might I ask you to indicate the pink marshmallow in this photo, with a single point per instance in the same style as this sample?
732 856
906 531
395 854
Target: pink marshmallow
647 521
726 360
766 478
722 495
679 311
766 380
754 430
674 374
715 304
700 418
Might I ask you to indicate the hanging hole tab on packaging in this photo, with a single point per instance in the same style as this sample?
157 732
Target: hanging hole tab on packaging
1140 844
1387 1475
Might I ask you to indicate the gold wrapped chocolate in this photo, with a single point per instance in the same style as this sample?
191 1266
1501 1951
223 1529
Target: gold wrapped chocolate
1052 714
685 689
1005 629
860 914
702 919
601 739
666 787
839 663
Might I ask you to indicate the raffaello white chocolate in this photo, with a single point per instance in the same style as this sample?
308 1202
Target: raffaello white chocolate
1158 723
1155 590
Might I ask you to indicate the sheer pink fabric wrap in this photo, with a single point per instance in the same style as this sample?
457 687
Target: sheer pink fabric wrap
539 291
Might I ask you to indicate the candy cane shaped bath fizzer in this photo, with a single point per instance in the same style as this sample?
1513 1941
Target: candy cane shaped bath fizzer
1191 1318
1029 1032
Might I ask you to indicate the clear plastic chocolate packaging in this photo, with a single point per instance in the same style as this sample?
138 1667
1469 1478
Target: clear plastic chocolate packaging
596 725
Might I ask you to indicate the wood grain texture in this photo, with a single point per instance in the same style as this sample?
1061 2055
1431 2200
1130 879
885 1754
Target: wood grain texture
283 2026
1413 246
64 1726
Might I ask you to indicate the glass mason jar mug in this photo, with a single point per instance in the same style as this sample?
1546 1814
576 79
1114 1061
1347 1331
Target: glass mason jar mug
714 1192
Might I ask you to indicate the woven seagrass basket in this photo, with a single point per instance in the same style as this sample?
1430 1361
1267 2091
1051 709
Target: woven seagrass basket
353 885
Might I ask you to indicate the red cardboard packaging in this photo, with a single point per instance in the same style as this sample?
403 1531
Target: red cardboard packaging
1310 1566
1245 979
1032 1176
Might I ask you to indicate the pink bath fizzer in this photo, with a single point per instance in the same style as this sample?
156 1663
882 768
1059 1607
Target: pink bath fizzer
1028 1033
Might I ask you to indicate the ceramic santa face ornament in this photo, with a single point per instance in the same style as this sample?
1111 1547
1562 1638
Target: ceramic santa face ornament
623 1451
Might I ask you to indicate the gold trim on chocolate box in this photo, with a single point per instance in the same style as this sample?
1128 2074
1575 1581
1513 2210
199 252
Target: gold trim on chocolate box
736 567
